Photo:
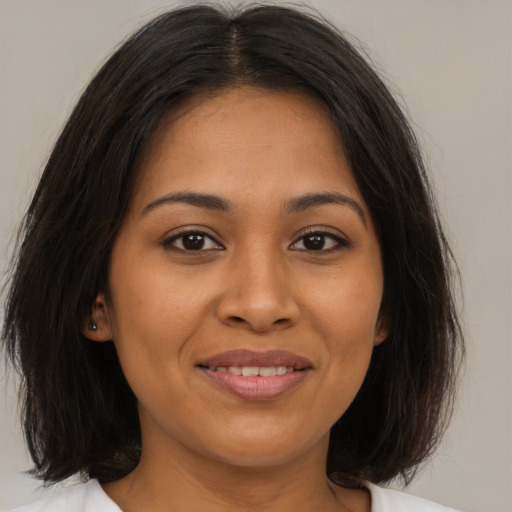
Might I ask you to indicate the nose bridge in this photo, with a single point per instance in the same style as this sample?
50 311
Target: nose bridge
258 292
262 278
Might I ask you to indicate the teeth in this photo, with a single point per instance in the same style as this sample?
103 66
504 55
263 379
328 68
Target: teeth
254 371
281 370
267 371
250 371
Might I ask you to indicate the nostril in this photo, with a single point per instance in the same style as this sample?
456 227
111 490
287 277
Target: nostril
239 320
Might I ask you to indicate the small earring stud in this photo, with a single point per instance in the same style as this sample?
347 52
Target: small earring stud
93 326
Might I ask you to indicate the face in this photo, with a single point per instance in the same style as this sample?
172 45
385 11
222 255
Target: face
245 282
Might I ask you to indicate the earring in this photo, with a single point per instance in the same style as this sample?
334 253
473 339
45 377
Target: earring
93 326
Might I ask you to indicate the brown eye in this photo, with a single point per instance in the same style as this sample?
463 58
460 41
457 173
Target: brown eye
315 242
319 241
191 241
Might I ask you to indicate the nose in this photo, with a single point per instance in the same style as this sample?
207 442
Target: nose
257 294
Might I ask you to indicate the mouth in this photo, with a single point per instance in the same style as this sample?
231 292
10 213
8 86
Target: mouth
256 376
254 371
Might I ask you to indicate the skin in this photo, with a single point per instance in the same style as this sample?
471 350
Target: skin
255 285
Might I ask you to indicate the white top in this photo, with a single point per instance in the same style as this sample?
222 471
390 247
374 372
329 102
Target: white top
90 497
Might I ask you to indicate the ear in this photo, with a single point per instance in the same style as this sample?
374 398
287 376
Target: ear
98 327
382 329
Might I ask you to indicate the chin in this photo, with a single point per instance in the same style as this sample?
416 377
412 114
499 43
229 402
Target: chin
263 451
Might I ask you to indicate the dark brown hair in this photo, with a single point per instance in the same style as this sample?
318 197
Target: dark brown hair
79 413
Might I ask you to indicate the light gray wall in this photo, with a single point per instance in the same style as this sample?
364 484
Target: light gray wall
451 63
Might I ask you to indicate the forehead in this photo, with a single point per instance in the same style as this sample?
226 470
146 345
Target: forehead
246 135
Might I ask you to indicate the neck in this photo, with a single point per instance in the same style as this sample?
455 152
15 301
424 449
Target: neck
184 480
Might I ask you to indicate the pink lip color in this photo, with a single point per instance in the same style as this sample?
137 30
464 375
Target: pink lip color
257 388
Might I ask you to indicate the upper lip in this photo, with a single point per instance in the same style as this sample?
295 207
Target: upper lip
261 359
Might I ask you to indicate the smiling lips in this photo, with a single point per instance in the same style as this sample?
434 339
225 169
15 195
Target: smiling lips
254 375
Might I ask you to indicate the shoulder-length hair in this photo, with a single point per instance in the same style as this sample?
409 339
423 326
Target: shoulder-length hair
79 413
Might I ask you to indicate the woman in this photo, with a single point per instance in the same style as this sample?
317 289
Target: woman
232 290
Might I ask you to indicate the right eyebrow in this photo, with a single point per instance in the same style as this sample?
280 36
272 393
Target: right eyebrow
208 201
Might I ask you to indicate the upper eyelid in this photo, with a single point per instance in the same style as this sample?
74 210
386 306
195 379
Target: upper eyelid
322 231
183 230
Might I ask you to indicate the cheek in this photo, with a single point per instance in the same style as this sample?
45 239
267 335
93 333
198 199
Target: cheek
346 316
151 316
347 307
148 299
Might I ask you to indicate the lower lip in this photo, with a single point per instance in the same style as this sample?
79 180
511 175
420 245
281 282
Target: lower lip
257 388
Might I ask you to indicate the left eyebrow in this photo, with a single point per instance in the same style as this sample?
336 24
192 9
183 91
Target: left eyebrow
307 201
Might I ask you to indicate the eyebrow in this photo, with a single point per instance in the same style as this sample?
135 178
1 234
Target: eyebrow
208 201
307 201
296 205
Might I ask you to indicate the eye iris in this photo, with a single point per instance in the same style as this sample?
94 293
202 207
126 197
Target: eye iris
314 242
193 242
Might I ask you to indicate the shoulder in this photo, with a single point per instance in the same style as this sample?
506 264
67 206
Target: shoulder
389 500
88 497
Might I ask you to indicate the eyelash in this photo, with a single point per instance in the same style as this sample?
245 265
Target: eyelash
339 242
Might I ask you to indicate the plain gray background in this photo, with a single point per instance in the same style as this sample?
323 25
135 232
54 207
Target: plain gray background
450 62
